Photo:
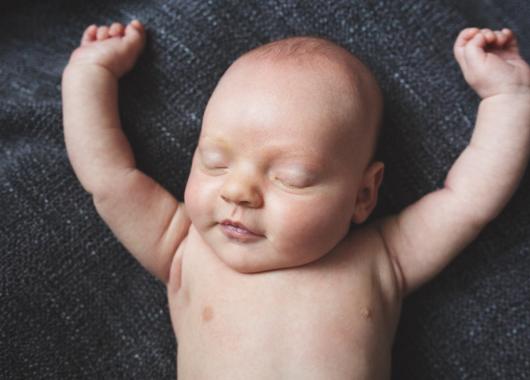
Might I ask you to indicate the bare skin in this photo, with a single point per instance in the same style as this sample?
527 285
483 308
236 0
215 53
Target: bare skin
252 292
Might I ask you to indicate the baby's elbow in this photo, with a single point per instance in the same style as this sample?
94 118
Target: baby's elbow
472 210
162 273
108 187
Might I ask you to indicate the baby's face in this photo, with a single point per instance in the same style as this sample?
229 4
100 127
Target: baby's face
278 168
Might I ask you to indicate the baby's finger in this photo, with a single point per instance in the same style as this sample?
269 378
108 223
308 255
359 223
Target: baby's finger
474 50
116 29
102 33
511 40
135 31
89 34
463 38
137 25
488 35
500 38
508 33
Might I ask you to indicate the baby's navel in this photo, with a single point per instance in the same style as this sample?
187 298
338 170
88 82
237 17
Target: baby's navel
207 313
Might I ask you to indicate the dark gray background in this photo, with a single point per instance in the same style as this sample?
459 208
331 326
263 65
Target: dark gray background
75 305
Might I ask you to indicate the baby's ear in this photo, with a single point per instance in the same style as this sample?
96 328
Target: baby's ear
368 191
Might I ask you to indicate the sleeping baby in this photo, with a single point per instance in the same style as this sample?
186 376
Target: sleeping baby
265 277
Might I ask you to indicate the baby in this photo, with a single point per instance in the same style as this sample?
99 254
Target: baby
265 278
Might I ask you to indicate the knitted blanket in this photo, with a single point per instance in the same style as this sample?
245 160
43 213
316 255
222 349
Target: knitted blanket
74 304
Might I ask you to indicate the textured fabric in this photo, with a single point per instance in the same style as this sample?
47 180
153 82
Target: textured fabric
76 305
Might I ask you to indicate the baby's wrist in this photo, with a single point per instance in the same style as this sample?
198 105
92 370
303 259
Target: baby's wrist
515 86
515 93
87 70
512 103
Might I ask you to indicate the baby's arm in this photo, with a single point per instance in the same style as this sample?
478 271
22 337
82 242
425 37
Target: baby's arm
424 237
144 216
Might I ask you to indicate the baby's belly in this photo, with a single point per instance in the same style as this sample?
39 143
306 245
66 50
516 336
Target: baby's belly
231 344
292 324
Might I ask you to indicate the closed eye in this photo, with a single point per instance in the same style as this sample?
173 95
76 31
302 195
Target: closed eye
295 180
210 165
213 160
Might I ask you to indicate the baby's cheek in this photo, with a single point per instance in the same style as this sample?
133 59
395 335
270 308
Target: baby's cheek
308 229
192 199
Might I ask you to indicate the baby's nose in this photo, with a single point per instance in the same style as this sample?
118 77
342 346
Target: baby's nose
243 191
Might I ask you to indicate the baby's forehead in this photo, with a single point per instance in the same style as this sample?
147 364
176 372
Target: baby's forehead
319 55
301 51
310 78
314 58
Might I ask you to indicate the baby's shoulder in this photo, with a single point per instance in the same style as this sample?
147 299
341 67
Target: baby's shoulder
366 248
364 243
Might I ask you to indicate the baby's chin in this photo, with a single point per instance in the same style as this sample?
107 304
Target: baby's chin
246 260
261 268
245 265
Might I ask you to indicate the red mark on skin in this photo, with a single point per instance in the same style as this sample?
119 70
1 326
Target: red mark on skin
207 313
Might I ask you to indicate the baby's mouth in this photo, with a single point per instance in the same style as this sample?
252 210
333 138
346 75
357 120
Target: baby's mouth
238 231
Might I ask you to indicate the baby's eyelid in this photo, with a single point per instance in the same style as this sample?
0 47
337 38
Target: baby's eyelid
213 159
297 180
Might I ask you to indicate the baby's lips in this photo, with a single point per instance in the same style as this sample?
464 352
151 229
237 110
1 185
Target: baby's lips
239 226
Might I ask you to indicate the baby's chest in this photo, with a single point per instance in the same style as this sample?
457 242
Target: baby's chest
319 309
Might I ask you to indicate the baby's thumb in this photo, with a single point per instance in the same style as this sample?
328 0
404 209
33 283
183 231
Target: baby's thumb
474 51
135 33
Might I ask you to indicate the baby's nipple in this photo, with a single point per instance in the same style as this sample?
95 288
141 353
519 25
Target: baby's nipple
207 313
366 312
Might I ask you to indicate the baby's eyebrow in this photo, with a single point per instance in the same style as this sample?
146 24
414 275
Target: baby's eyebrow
306 163
216 142
310 157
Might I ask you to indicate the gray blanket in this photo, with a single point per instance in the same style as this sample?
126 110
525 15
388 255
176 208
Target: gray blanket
75 305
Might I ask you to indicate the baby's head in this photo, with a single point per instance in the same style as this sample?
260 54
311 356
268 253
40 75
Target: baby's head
285 159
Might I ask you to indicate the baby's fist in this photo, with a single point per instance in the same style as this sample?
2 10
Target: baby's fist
491 63
115 48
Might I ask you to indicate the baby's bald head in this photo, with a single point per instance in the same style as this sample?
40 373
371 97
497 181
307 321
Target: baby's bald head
287 141
350 84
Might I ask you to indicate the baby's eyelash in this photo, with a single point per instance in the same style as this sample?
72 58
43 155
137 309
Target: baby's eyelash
299 183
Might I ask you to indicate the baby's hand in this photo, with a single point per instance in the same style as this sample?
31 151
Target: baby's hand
491 63
115 48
